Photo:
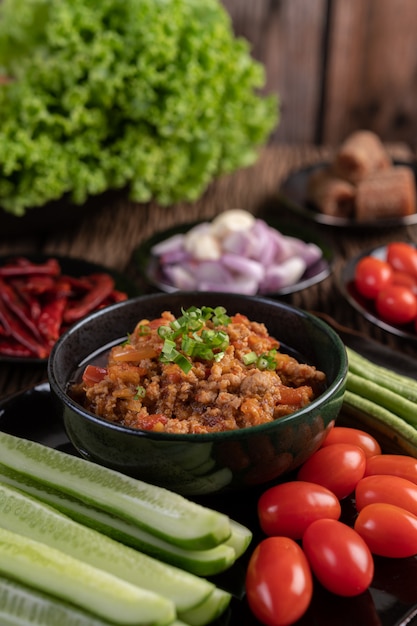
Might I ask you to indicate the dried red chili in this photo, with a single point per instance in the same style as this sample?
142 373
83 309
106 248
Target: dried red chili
16 329
16 305
23 267
38 303
102 286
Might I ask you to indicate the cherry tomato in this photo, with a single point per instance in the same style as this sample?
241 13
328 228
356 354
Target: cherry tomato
405 279
402 256
339 557
388 489
388 530
93 374
394 465
355 436
288 508
371 275
279 582
396 304
338 467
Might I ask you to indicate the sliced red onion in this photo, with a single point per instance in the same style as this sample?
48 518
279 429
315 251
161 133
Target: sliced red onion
202 245
230 221
283 275
174 256
264 245
239 242
172 244
180 277
246 267
310 252
283 247
212 271
257 258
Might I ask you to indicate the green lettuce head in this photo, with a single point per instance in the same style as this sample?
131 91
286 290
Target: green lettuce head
155 96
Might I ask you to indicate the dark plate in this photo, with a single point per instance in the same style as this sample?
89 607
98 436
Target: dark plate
345 282
392 599
71 266
149 266
293 195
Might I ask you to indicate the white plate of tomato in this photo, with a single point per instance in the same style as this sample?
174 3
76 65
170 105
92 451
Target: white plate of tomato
382 285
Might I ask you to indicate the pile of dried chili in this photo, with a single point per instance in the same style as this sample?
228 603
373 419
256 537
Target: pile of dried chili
38 303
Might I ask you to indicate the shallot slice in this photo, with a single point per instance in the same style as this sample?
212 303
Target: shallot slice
244 266
180 277
174 243
237 253
283 275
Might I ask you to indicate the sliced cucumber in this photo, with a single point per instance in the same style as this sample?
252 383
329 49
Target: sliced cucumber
24 606
200 562
51 571
240 538
158 510
27 516
214 606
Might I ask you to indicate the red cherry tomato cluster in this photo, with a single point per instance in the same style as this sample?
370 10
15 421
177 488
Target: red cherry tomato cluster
391 283
305 538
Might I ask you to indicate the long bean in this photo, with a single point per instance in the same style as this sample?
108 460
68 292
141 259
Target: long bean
383 400
382 396
385 377
392 425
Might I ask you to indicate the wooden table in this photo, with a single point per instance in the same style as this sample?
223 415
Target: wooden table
109 236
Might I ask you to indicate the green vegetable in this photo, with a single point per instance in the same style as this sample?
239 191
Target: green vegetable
158 511
209 344
54 572
383 400
209 610
154 96
379 418
28 516
383 376
23 606
201 562
382 396
264 361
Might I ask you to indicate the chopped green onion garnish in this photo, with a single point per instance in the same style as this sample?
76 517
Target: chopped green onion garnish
208 344
127 341
188 345
184 363
250 358
169 347
144 329
262 363
265 361
164 331
140 392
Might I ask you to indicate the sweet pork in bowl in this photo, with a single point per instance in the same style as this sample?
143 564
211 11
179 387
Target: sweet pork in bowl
220 392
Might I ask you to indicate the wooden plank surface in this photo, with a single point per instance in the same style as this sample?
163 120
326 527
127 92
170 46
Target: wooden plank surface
336 65
286 36
371 76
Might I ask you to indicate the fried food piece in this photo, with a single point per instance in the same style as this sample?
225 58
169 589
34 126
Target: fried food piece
359 156
387 193
330 195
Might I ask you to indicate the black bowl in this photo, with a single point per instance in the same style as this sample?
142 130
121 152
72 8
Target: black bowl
197 464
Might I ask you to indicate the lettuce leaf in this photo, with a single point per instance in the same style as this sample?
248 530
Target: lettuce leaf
158 97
